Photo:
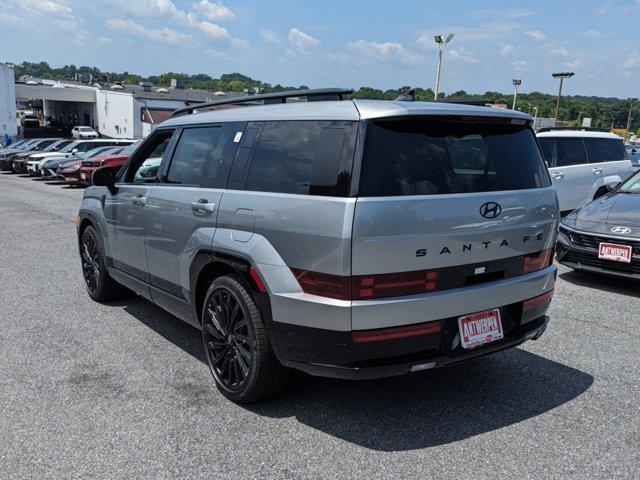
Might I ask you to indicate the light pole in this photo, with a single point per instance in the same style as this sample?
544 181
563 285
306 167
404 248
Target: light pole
561 76
631 100
440 45
516 84
535 116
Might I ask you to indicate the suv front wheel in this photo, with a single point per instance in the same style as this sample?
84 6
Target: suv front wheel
236 345
100 285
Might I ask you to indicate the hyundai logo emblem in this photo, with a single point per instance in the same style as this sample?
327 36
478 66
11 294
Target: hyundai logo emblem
620 230
490 210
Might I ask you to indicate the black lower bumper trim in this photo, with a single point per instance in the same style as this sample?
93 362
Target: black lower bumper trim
529 331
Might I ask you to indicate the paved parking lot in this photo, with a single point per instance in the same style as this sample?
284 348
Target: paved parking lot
122 390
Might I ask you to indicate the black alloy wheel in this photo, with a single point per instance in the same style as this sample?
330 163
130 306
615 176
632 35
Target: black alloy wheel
228 338
90 254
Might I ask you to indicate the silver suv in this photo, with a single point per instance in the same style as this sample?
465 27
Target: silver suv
351 239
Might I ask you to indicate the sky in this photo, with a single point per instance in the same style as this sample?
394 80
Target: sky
345 43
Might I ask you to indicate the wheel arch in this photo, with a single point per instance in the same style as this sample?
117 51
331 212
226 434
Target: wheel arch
209 265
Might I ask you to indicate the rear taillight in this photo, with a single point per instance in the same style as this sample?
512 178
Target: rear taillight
365 287
536 306
323 284
394 333
537 261
394 284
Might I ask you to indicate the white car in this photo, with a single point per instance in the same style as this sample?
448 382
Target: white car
84 132
580 161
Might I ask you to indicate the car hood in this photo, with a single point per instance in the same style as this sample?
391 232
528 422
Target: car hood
603 214
10 151
41 156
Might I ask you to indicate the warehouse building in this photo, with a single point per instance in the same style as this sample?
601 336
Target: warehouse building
115 111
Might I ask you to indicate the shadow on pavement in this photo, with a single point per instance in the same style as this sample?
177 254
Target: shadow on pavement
410 412
602 282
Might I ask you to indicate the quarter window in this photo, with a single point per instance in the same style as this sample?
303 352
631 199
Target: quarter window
605 150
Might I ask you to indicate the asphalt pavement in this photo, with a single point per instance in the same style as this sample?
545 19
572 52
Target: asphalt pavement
121 390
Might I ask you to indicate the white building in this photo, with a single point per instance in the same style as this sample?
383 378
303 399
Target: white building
115 111
8 123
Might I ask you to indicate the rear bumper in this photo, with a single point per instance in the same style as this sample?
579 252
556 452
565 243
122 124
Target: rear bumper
442 355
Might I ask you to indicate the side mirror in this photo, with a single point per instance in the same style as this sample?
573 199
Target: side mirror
105 177
604 189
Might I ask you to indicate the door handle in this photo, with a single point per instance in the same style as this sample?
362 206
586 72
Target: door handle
139 201
203 206
596 170
558 175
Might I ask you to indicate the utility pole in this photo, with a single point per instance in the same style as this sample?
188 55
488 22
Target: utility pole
516 84
561 76
440 45
628 135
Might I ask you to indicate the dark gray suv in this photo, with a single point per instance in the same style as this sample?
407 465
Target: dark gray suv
352 239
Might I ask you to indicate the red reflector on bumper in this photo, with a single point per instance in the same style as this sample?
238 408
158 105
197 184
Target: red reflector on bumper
394 333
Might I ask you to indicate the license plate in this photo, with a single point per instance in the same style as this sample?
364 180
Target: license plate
617 253
480 328
69 179
83 176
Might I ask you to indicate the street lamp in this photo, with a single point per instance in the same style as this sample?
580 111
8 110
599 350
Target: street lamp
516 84
631 100
440 45
561 76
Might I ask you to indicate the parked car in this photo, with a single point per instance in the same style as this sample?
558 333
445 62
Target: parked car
51 148
581 161
604 235
71 151
70 171
19 161
84 132
85 173
633 152
6 162
352 239
30 121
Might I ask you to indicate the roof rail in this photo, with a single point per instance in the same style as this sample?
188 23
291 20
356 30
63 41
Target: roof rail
317 94
582 129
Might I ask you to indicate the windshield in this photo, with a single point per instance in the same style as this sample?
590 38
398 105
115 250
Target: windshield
434 157
94 152
631 185
85 129
130 149
69 147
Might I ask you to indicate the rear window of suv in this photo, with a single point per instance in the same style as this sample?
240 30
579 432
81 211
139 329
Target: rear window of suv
435 157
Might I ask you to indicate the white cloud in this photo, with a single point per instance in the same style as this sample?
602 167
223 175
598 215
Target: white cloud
519 65
591 34
632 61
557 50
462 55
303 42
213 10
47 6
390 51
213 30
507 50
165 35
537 36
574 64
270 36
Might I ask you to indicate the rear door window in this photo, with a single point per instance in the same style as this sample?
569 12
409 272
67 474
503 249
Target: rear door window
605 150
434 157
570 152
284 157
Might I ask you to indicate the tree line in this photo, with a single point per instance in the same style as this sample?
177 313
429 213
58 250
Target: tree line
606 112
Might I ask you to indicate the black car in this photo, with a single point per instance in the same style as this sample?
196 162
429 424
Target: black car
604 235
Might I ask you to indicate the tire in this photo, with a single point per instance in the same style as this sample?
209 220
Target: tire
236 345
100 286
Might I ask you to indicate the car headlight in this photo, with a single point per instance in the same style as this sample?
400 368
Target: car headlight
76 167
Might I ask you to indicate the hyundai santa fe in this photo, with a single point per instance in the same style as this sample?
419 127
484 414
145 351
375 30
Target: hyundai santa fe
344 238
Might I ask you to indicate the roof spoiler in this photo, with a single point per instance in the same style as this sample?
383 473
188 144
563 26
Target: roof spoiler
312 95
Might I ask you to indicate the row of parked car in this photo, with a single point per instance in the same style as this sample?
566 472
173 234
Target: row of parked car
67 159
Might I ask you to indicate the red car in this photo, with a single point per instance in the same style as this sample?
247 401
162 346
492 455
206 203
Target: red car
84 174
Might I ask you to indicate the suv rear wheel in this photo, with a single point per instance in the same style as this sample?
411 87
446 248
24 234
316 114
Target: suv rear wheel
236 345
100 285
